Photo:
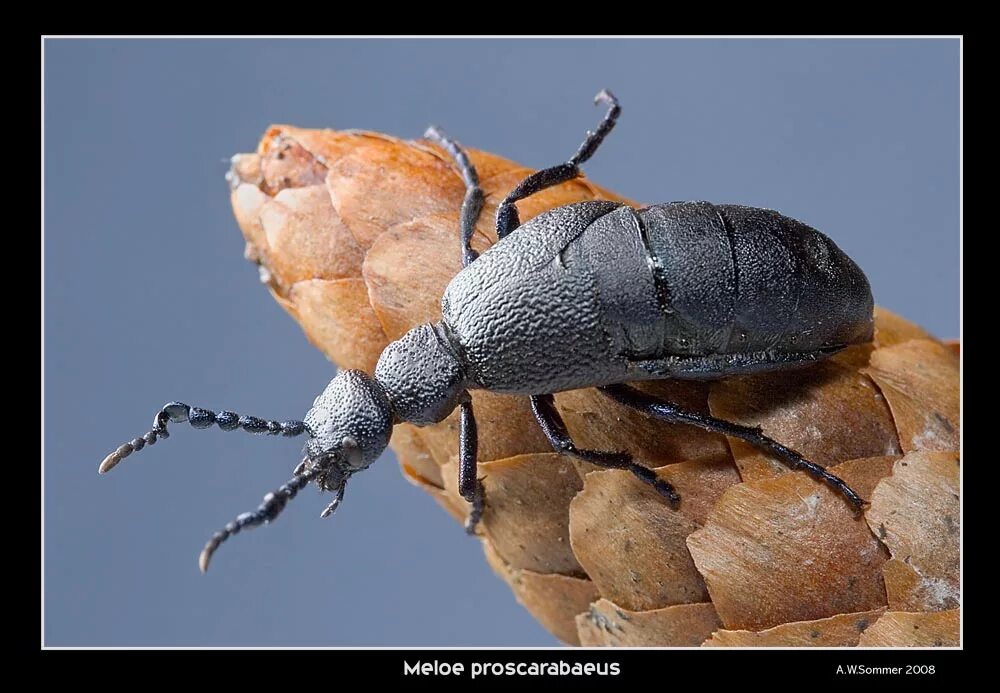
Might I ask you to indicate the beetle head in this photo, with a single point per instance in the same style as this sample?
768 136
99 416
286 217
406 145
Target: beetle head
418 379
349 426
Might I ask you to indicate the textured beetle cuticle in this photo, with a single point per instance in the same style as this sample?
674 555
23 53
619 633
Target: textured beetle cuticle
588 295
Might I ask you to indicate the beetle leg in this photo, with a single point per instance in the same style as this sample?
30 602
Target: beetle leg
472 205
178 412
666 411
469 485
555 430
507 217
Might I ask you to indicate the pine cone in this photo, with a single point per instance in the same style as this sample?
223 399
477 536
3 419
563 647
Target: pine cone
356 236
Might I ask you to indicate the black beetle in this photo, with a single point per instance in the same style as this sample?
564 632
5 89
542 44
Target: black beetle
593 294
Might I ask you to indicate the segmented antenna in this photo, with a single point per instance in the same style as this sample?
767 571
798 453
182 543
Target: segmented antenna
178 412
272 506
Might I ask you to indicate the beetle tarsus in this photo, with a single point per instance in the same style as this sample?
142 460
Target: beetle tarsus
478 500
666 490
507 216
594 139
474 199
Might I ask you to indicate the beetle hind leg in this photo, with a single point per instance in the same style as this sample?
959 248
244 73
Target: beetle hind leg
671 413
554 428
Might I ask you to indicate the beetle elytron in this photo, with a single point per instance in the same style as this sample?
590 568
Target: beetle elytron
592 294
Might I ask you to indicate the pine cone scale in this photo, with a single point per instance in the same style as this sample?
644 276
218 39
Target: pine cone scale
356 235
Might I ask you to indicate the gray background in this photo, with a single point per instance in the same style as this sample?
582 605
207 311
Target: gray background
148 298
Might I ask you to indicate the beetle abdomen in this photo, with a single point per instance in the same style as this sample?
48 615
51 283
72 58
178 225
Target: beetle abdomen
597 293
734 279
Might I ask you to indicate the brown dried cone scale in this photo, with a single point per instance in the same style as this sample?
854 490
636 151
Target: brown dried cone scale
356 237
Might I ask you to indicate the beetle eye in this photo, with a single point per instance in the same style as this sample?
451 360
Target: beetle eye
350 452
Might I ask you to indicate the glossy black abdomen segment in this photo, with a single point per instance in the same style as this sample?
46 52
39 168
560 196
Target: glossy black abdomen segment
733 279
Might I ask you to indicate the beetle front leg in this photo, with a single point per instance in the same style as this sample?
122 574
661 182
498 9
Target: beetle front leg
669 412
469 485
472 205
555 430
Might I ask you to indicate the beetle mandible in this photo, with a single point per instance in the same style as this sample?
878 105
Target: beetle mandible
591 294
